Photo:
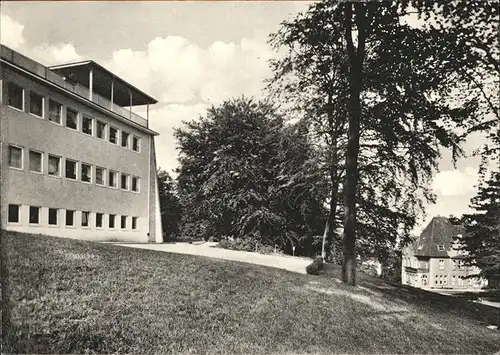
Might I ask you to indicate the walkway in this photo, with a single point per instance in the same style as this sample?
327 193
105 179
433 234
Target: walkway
290 263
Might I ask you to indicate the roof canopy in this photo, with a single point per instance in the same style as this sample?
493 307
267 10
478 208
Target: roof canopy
102 80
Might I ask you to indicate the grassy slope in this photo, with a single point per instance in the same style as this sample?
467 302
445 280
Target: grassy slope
70 296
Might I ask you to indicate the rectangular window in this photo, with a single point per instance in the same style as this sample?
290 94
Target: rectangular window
112 220
125 137
113 135
135 184
70 218
55 110
86 173
441 264
136 144
53 213
98 220
123 222
36 104
71 169
124 182
85 219
15 157
440 247
34 215
16 96
14 214
87 123
100 176
101 130
454 264
112 177
35 161
134 223
453 280
71 118
54 165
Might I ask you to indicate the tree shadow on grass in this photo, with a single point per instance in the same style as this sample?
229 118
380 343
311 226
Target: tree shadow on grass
426 300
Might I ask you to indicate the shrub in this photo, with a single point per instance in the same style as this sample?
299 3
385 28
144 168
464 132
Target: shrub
316 266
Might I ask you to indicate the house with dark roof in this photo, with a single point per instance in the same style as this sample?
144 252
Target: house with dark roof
433 260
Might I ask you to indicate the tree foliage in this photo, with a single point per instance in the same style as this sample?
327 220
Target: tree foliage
245 174
170 208
384 96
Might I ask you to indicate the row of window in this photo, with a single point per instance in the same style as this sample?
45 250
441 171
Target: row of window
73 169
73 119
53 216
455 280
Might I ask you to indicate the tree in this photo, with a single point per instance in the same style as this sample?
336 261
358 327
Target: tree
245 174
170 207
395 97
482 230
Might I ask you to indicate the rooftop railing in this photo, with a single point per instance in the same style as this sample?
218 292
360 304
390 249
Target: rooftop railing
40 70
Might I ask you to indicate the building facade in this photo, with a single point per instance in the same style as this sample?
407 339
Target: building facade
433 260
75 162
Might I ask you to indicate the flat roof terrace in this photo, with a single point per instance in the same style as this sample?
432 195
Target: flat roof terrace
90 81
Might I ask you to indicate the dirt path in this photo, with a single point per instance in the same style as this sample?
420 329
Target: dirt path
295 264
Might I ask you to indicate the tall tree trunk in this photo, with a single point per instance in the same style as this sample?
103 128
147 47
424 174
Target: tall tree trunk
355 56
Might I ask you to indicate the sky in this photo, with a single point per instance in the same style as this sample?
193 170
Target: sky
188 55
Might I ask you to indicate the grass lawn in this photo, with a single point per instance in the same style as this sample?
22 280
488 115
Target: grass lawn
68 296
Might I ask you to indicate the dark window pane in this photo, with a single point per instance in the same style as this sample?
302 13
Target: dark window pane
70 217
53 212
134 222
14 213
54 163
35 161
135 144
86 175
15 98
34 215
112 221
99 176
85 219
87 125
55 110
71 169
124 222
125 139
101 130
113 135
36 104
124 182
98 220
71 118
15 157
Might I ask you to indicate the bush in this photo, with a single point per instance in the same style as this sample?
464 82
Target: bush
246 245
316 266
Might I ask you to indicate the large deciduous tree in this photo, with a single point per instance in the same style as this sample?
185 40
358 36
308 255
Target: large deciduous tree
246 174
395 92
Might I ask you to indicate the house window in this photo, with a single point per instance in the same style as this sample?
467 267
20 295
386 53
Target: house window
14 214
53 213
445 279
460 281
54 165
71 169
453 264
441 264
134 223
85 219
135 184
101 130
16 96
70 218
35 161
86 173
136 144
123 222
424 280
15 157
55 110
34 215
36 104
98 220
100 176
71 118
87 125
112 179
440 247
453 280
112 218
113 135
125 137
124 182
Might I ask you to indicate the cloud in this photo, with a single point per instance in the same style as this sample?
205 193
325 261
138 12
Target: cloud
11 32
178 71
455 182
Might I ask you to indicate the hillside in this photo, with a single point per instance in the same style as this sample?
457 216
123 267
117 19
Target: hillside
68 296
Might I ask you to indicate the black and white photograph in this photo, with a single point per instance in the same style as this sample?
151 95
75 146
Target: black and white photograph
250 177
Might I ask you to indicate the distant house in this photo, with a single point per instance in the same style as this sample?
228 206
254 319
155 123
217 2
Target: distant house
432 261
